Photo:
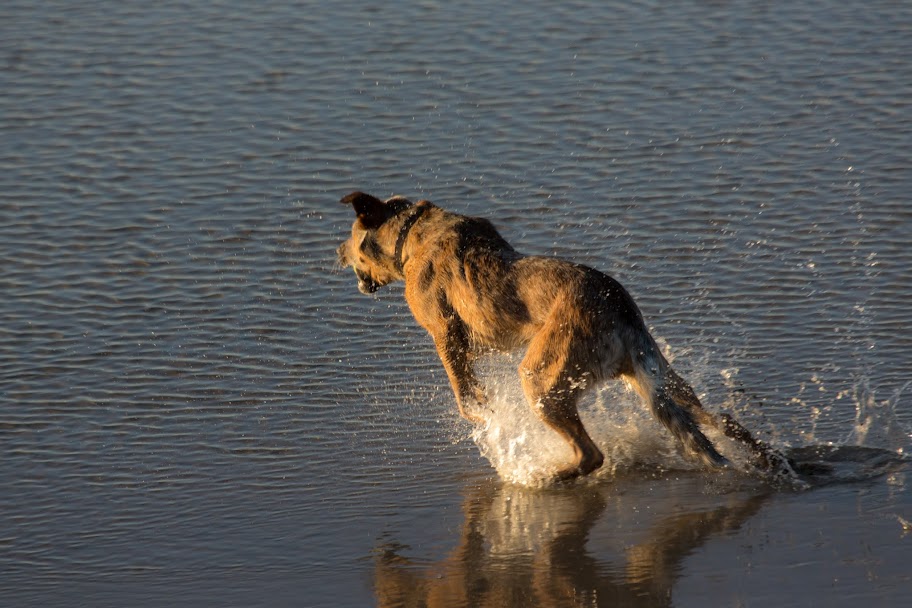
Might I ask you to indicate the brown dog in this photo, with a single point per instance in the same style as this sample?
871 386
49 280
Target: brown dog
474 293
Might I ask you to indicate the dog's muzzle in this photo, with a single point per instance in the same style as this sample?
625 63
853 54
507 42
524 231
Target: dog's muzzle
366 284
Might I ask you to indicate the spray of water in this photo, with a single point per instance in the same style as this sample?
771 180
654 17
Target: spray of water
525 451
876 422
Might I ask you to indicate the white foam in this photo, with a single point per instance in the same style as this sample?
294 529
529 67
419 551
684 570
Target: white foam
523 450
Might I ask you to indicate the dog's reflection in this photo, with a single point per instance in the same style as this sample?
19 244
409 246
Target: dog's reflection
586 546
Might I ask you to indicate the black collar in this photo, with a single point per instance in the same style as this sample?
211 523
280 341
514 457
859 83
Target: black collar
403 234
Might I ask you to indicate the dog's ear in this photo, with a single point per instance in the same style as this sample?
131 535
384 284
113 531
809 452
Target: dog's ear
398 203
370 210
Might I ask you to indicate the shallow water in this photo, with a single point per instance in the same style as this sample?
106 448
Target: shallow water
197 408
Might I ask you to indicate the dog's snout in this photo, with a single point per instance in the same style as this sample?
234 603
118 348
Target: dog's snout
366 283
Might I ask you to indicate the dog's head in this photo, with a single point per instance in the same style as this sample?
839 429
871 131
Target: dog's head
371 250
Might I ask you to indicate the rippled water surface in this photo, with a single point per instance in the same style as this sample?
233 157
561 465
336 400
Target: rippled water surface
198 408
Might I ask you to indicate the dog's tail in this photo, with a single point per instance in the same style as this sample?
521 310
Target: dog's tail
672 401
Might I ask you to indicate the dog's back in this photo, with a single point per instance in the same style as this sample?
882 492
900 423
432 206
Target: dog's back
503 297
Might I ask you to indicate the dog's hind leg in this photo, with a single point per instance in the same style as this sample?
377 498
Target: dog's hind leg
557 408
673 402
552 393
762 455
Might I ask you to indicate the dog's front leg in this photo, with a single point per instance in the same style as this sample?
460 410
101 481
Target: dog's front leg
456 354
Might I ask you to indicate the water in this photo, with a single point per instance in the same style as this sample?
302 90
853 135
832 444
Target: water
198 410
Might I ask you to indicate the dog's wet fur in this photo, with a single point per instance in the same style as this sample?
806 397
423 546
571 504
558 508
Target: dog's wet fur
474 293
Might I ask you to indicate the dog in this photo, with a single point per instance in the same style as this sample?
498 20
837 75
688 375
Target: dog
474 293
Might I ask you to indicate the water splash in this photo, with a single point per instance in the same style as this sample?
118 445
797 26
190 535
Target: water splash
876 422
517 444
525 451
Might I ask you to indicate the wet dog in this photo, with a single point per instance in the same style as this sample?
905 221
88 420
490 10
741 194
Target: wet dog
474 293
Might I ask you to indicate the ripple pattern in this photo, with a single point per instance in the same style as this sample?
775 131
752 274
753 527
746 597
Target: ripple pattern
192 396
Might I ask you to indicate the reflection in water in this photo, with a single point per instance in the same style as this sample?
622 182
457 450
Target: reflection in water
523 547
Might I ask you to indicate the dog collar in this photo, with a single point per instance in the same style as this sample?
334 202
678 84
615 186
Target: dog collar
403 234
